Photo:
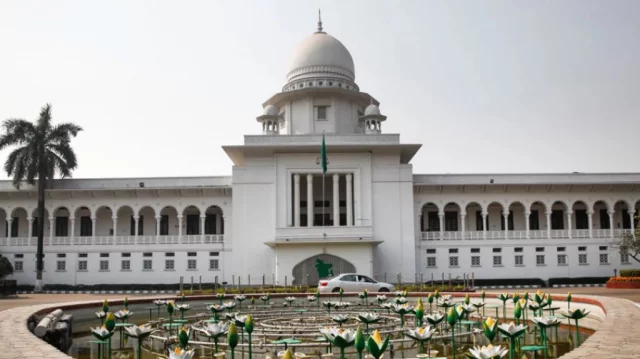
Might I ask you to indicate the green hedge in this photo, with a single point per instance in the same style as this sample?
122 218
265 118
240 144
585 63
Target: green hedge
577 280
630 272
509 282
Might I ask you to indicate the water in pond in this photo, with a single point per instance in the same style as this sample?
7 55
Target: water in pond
299 324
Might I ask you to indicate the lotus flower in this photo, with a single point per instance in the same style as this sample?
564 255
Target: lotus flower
160 302
538 297
376 346
467 299
214 331
340 318
138 331
420 333
490 328
482 295
228 305
546 322
232 337
381 298
342 304
101 333
359 342
105 306
400 300
341 338
367 318
178 353
123 314
248 327
576 315
231 315
452 316
110 322
290 299
487 352
435 319
534 307
419 311
402 309
239 320
101 315
504 297
265 298
511 330
515 297
183 337
311 298
240 297
170 307
182 308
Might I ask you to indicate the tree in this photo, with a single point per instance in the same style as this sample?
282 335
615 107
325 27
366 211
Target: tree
630 244
42 150
5 267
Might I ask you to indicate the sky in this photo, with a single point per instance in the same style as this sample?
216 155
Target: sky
486 86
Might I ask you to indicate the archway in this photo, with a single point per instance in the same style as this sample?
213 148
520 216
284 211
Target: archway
312 269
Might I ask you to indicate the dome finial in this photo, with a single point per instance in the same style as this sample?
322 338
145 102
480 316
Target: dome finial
319 21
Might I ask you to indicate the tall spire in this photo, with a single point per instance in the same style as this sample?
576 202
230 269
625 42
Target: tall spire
319 21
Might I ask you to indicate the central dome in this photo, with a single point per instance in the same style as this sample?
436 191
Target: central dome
321 56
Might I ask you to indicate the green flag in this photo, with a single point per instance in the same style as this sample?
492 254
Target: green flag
323 156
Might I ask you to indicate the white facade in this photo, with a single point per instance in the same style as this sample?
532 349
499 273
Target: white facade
371 211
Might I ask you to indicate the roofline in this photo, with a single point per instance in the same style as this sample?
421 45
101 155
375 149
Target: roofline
531 174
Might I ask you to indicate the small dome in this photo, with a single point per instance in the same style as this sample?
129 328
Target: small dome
372 109
321 54
271 110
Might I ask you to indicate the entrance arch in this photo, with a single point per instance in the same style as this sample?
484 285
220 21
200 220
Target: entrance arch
312 269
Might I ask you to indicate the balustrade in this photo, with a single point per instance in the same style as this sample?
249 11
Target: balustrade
114 240
523 234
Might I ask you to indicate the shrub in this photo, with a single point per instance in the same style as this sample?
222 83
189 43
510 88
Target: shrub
577 280
5 267
624 279
630 273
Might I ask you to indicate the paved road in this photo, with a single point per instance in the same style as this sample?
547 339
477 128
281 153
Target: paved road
33 299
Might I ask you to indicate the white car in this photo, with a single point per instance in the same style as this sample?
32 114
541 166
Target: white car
351 282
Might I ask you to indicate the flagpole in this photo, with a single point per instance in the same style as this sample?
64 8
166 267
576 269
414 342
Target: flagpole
323 198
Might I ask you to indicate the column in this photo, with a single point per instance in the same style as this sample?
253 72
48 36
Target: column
158 219
611 224
115 226
218 223
441 216
336 200
52 228
72 223
30 220
548 215
348 177
310 213
463 220
527 214
296 200
505 215
9 220
93 226
179 227
203 218
569 213
136 223
590 223
484 225
633 225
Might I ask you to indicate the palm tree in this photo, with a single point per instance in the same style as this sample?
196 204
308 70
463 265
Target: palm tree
42 149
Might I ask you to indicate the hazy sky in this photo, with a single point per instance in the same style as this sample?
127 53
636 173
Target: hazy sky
486 86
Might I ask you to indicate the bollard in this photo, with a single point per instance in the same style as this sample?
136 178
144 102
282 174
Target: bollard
385 277
263 281
238 287
181 284
307 280
215 285
421 280
191 287
443 279
200 283
449 279
399 279
273 279
473 279
248 280
233 280
415 278
285 281
431 279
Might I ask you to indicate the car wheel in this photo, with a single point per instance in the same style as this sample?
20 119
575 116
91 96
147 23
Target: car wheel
335 290
384 290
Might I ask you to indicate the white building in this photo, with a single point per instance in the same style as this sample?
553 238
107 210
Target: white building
371 213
